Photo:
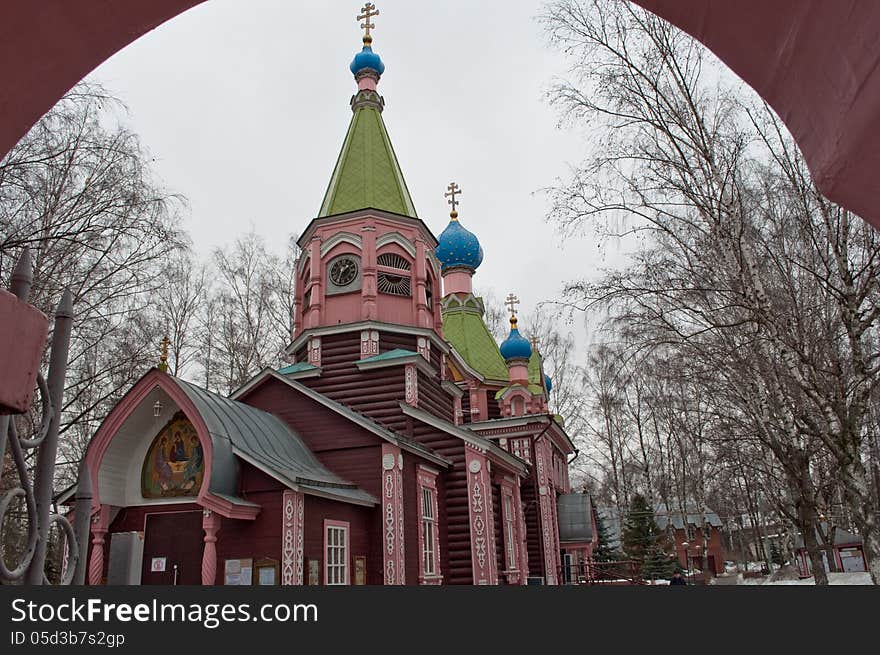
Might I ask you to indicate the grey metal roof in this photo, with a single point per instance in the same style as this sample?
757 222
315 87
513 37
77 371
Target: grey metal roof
239 430
574 516
695 517
841 537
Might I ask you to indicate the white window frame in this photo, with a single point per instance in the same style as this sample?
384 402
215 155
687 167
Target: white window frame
339 555
510 530
429 527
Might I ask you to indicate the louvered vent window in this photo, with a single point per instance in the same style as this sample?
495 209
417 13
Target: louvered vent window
393 260
395 285
397 280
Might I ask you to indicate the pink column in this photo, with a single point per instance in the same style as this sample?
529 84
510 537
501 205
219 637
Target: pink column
316 299
521 532
211 525
510 542
482 524
423 318
293 525
369 274
457 411
545 488
392 512
298 302
100 525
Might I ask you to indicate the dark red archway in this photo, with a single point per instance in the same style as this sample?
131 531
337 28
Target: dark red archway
48 46
816 62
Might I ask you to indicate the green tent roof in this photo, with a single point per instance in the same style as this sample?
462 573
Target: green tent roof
535 364
391 355
468 334
297 368
367 174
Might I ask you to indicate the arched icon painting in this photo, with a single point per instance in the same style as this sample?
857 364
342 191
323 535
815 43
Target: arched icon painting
175 463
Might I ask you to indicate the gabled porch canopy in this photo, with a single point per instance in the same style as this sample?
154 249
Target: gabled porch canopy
228 431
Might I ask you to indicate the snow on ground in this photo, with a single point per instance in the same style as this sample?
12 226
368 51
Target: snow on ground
833 578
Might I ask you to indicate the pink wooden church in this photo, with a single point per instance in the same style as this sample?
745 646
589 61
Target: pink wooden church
401 445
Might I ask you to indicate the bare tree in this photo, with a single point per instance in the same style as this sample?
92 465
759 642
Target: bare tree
78 189
247 320
742 266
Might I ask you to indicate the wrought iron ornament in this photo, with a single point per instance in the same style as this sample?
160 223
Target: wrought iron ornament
37 493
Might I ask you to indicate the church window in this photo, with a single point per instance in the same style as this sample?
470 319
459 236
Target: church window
395 285
510 532
394 275
336 553
429 537
522 449
429 556
429 294
393 260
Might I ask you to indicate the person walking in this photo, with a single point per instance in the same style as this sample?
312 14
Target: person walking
677 578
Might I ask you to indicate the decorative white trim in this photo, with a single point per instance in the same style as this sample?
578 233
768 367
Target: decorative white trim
341 237
315 351
393 560
293 508
399 239
482 522
411 385
424 348
369 343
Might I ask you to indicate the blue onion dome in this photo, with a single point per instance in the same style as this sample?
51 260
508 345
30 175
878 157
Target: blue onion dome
366 58
515 346
458 247
548 383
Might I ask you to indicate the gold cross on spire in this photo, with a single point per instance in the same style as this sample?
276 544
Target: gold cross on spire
511 302
163 357
454 190
369 11
535 342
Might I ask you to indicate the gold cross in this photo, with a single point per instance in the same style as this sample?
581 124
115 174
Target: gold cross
511 303
534 341
368 13
454 190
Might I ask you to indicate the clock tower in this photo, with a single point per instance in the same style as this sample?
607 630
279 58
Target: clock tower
367 257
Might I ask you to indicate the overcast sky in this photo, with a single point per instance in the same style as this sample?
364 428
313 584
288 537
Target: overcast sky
244 105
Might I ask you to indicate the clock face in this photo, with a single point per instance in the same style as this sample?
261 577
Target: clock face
343 271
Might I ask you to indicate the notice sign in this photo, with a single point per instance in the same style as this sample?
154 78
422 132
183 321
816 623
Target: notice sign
157 565
238 571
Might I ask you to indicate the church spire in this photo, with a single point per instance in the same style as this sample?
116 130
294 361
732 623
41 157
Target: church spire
367 174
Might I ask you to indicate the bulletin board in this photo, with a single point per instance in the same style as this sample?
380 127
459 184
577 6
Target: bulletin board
238 571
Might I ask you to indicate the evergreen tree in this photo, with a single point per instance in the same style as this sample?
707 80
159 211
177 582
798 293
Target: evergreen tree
776 554
643 541
605 551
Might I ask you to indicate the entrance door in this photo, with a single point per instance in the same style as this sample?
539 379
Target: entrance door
568 561
178 539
